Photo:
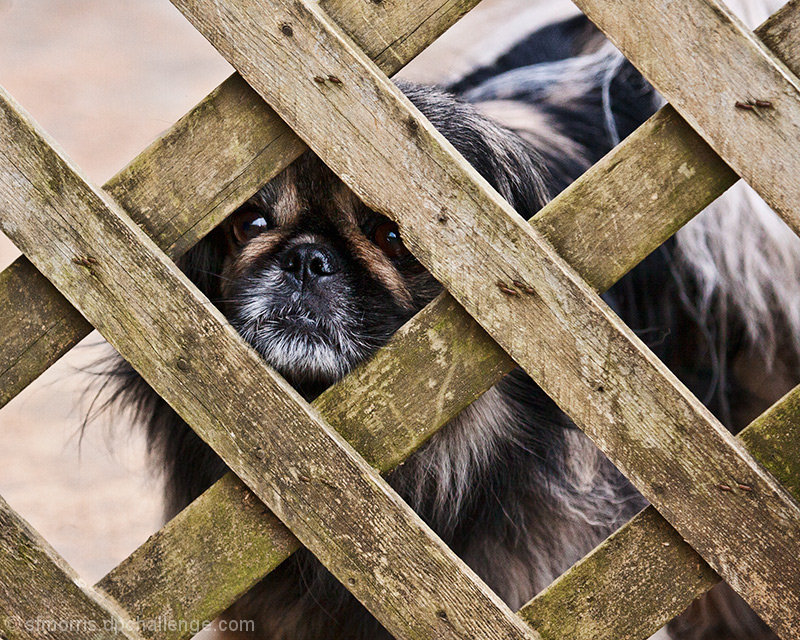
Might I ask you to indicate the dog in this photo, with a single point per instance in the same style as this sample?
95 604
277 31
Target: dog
316 283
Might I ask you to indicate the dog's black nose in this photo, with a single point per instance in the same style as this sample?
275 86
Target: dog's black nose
308 262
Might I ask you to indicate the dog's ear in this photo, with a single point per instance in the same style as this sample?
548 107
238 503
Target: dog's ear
504 159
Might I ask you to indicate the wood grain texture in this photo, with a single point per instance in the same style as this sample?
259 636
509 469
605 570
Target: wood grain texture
336 504
704 61
196 174
680 189
42 597
555 327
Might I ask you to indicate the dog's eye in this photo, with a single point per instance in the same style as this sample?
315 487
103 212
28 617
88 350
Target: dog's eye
248 223
387 237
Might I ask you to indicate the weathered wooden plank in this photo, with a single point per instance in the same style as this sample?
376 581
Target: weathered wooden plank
555 326
336 504
191 178
42 597
384 439
779 31
723 80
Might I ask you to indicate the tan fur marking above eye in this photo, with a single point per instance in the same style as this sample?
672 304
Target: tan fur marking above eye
348 215
376 263
346 208
289 205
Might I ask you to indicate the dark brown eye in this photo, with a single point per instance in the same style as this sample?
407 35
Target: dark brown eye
248 223
387 237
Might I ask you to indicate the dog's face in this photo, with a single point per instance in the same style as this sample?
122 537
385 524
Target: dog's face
313 279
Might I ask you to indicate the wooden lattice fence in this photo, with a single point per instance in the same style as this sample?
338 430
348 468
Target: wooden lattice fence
106 256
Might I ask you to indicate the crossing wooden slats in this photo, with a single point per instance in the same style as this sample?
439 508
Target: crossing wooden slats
191 178
442 343
704 61
393 33
42 597
638 579
555 326
723 165
336 504
633 199
474 363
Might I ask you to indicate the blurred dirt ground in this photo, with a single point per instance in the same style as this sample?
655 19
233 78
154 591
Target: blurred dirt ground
105 77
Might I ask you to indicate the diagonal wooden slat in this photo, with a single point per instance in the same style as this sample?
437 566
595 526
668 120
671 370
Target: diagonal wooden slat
704 61
336 504
191 178
555 326
55 603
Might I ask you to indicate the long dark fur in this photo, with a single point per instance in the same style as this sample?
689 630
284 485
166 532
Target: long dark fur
510 484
